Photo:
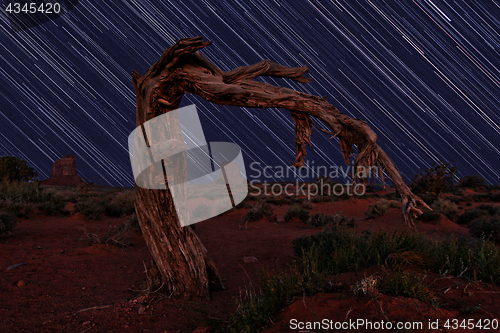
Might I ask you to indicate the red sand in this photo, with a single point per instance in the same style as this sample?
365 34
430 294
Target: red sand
63 276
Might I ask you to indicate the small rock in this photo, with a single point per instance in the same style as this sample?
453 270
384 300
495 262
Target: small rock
249 259
86 323
203 329
280 219
21 283
141 310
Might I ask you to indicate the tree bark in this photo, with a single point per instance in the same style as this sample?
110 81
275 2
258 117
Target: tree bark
179 256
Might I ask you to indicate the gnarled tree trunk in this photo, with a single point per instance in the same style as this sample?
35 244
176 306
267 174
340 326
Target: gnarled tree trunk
182 262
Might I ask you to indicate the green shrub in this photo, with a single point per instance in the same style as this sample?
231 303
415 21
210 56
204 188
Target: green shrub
15 169
437 179
306 205
339 250
368 286
473 182
455 199
133 221
336 250
446 207
260 210
470 215
428 198
380 208
320 219
91 207
491 209
20 209
321 198
405 284
295 211
114 235
488 227
22 192
8 222
279 289
121 205
495 197
53 206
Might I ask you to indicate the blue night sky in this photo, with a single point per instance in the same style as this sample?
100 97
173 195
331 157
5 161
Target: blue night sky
424 75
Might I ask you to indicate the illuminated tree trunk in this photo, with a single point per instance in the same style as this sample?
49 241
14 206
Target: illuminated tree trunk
183 265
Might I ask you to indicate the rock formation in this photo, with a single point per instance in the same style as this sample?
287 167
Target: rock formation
64 173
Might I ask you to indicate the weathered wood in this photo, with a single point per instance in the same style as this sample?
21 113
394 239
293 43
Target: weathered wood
178 254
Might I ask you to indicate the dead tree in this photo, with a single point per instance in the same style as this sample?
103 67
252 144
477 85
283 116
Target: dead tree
182 262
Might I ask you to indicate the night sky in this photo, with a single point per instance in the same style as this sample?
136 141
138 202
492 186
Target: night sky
424 75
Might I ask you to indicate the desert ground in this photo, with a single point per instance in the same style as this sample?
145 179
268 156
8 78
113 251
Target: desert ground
63 271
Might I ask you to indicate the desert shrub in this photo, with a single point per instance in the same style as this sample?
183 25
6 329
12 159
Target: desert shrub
437 179
380 208
287 200
339 250
279 288
20 209
402 283
241 204
429 216
15 169
306 205
321 198
53 206
91 207
260 210
296 211
121 205
473 182
481 197
470 215
317 220
428 198
368 286
133 221
8 222
20 197
273 201
320 219
491 209
473 259
495 197
114 235
488 227
446 207
22 192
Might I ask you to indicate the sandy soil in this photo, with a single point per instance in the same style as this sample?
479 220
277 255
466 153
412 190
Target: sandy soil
66 285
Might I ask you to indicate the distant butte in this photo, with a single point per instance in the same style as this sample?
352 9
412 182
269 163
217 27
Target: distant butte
64 173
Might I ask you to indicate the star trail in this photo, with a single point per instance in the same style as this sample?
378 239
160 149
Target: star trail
424 74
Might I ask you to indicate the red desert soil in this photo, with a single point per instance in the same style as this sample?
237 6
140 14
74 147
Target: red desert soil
66 285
